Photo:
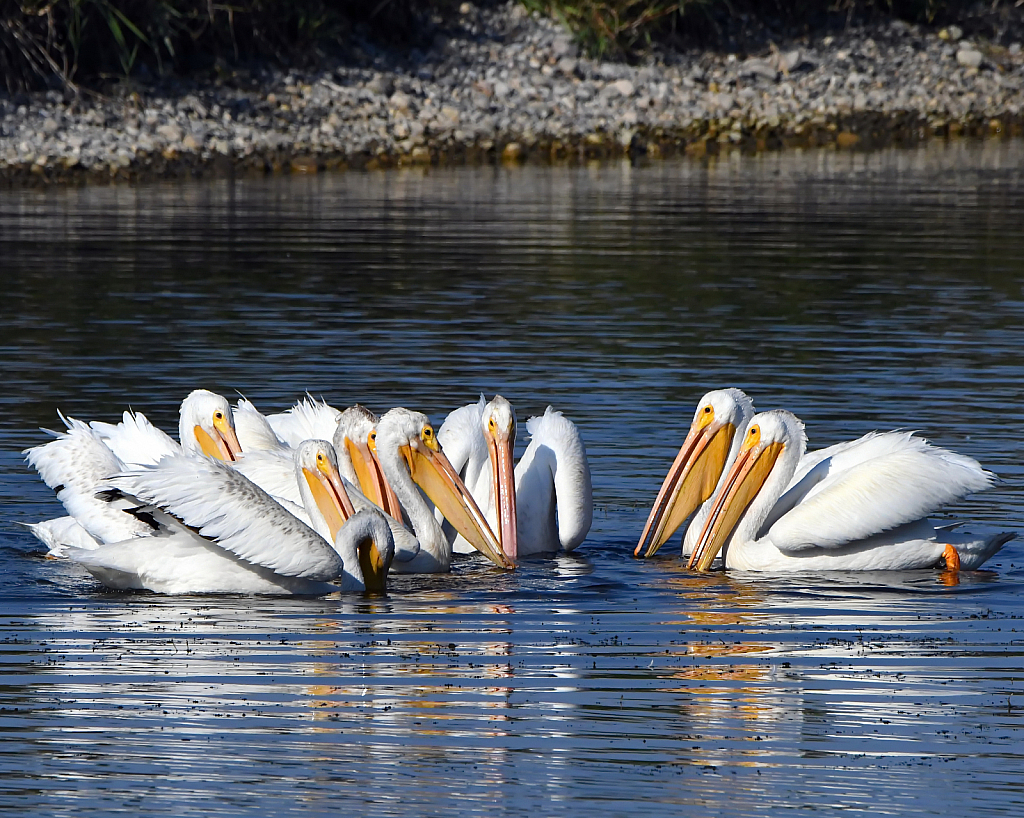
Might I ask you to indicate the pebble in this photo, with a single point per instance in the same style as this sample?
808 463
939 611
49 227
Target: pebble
969 57
502 84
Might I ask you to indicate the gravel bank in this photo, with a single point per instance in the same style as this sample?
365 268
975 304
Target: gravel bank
502 85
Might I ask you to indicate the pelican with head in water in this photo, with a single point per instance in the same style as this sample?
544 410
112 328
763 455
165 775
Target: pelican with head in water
860 505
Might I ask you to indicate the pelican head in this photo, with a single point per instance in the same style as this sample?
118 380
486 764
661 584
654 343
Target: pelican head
357 425
698 467
499 428
316 466
768 437
375 550
206 425
409 436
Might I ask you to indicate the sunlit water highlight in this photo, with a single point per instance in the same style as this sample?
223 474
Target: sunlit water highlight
860 291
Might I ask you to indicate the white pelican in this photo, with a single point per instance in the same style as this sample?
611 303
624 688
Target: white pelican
214 531
860 505
357 426
711 445
410 457
77 462
551 507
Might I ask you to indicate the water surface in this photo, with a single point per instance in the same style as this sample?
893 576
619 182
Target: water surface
861 291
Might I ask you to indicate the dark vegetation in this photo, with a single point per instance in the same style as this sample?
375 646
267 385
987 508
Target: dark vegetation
72 43
627 28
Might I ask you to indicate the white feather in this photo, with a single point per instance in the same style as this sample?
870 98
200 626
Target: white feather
253 429
77 465
62 533
868 486
554 494
135 441
309 419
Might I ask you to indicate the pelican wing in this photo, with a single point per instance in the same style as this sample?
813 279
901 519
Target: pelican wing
76 466
222 505
309 419
135 441
868 486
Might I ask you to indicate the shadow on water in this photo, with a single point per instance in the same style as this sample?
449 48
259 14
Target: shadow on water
860 291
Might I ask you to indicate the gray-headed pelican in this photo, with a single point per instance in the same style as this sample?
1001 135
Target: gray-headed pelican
411 459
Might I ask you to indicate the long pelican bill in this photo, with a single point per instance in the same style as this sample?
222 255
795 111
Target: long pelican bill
432 472
499 446
371 477
330 495
744 481
222 444
689 482
374 566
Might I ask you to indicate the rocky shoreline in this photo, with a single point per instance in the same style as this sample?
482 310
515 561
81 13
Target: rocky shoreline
504 85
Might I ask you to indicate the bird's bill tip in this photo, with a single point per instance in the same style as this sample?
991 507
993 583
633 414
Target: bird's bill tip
433 473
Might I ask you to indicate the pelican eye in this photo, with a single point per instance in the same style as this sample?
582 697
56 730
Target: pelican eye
427 433
754 431
707 410
491 424
320 457
218 415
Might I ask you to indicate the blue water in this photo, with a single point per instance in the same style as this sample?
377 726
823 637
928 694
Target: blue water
861 291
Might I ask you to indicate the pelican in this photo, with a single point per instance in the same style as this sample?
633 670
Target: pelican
409 456
861 505
214 531
714 439
546 503
77 462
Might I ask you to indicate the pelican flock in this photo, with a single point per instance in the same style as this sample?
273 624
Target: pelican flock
314 499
